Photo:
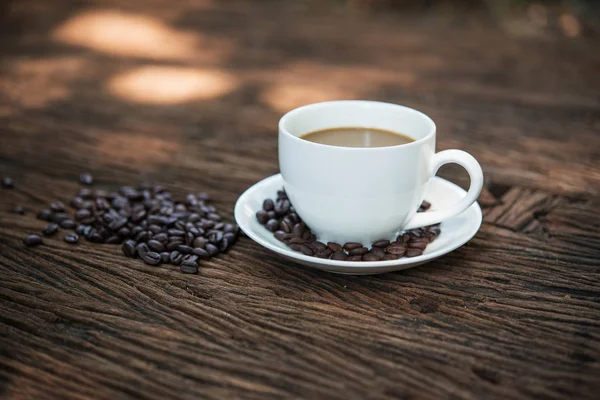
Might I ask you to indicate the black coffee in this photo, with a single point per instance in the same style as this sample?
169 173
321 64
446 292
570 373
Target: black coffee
357 137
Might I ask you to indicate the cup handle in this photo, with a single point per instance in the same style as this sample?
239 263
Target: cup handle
473 168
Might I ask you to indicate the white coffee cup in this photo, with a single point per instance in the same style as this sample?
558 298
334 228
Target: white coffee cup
350 194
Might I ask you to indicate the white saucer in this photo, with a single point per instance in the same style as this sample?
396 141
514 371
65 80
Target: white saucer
455 231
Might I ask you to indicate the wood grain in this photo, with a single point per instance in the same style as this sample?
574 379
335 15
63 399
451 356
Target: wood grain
513 314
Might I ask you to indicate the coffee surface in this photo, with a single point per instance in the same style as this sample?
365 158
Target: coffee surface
357 137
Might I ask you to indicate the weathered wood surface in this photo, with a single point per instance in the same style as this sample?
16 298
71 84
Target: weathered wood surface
513 314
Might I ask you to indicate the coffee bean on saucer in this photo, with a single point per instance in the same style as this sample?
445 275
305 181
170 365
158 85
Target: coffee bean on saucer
151 258
306 250
32 240
279 235
381 243
352 245
45 215
354 258
335 246
324 253
129 248
298 229
71 238
268 205
50 229
358 252
370 257
18 210
413 252
285 226
7 183
417 244
272 225
425 205
397 249
86 178
282 206
377 251
67 224
390 257
339 255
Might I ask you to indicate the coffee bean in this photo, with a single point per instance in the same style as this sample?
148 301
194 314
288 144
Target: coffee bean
94 237
272 225
281 194
271 214
154 229
358 252
397 249
318 245
156 245
306 250
51 229
77 202
230 237
381 243
288 236
295 247
339 255
425 205
370 257
129 248
230 228
390 257
18 210
413 252
298 229
285 226
306 235
199 242
268 205
114 239
352 245
418 244
82 214
335 247
378 251
83 230
324 253
405 237
212 249
282 206
354 258
176 232
32 240
175 257
142 249
165 257
201 253
8 183
182 248
57 206
215 236
297 240
151 258
190 258
86 179
224 246
71 238
117 224
57 217
45 215
143 236
67 224
188 267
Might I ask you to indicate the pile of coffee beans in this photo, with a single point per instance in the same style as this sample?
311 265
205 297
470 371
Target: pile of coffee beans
279 217
146 221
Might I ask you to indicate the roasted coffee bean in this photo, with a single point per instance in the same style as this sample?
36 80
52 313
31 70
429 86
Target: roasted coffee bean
227 228
282 206
136 230
86 179
272 225
201 253
156 220
188 267
176 232
381 243
298 229
175 257
295 247
224 246
185 249
199 242
202 196
414 233
279 235
142 249
212 249
268 205
71 238
281 194
417 244
339 255
378 251
156 245
318 245
101 204
206 224
172 245
405 237
352 245
397 249
215 237
57 207
306 250
57 217
51 229
191 258
230 237
194 217
306 235
124 232
77 202
117 224
296 240
114 239
151 258
285 226
335 246
154 229
83 230
425 205
165 257
82 214
370 257
288 236
413 252
213 217
161 237
389 256
8 183
354 258
94 237
143 236
358 252
18 210
324 253
67 224
435 230
45 215
101 193
32 240
129 248
271 214
194 231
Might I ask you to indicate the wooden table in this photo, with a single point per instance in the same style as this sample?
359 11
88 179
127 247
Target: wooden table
188 94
